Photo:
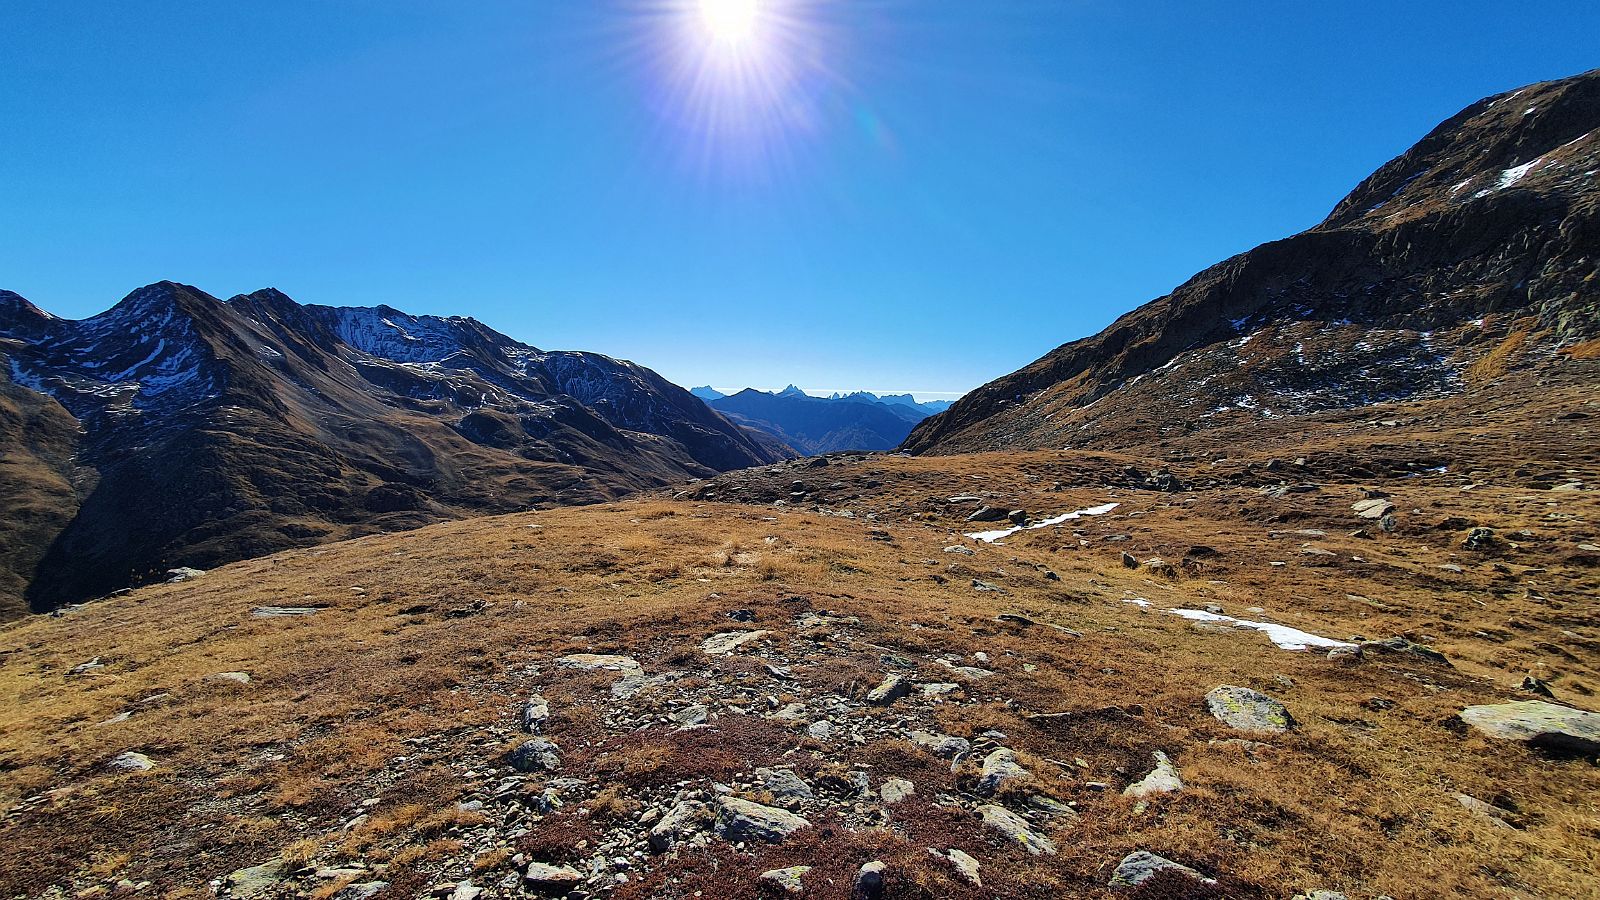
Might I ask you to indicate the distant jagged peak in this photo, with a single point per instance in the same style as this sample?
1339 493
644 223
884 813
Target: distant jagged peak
792 391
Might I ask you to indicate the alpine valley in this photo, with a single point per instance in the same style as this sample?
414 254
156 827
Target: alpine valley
1285 585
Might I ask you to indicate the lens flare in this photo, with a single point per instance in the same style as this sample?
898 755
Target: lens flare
739 84
730 22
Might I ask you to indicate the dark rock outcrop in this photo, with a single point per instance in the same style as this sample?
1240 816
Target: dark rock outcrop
1465 248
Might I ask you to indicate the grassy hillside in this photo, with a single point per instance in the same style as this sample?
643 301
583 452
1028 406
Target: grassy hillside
372 742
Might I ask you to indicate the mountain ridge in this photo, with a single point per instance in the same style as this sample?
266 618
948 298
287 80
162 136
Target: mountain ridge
212 430
1485 230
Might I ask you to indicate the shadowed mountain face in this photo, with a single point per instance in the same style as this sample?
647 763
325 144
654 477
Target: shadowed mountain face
813 425
178 429
1476 250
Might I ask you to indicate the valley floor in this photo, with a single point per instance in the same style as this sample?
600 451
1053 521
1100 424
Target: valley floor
815 666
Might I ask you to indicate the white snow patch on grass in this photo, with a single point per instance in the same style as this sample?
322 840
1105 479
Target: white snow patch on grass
1282 635
989 537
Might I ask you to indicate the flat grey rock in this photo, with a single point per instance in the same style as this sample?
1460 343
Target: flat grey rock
1243 709
1548 726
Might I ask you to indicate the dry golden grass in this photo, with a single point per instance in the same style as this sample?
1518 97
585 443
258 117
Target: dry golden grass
1584 350
1497 362
1360 797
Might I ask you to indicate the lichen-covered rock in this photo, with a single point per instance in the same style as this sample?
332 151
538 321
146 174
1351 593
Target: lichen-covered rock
1243 709
745 820
1548 726
787 879
1016 829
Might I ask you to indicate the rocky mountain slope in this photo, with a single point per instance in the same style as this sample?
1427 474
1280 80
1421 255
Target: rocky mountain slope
813 425
1476 250
1354 656
176 429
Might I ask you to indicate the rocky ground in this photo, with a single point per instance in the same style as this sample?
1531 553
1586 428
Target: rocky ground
1360 664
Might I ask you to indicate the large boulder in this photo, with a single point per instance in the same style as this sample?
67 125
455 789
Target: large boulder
1548 726
745 820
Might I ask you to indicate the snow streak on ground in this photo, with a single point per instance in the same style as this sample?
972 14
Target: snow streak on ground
989 537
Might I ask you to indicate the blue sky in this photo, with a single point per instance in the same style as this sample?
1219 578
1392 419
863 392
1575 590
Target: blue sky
916 196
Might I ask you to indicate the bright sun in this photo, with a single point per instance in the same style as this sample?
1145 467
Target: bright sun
730 22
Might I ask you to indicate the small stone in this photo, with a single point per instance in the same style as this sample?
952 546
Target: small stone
820 730
1016 829
870 882
690 716
1000 767
683 821
183 573
1141 865
965 865
361 891
608 662
1479 539
466 890
964 551
535 713
1129 561
1162 780
1321 895
729 641
131 762
545 878
234 677
1243 709
894 790
535 755
787 788
985 587
892 688
787 880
